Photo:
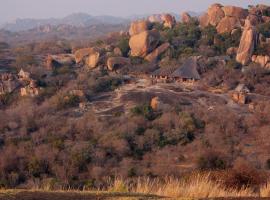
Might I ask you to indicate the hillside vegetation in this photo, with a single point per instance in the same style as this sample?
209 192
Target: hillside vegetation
75 114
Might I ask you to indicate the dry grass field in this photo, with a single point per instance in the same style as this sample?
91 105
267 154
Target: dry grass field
201 187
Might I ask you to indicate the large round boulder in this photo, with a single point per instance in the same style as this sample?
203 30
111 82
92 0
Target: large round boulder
82 53
54 61
143 43
227 24
115 63
139 26
203 20
93 59
157 52
215 14
233 11
186 18
155 18
169 20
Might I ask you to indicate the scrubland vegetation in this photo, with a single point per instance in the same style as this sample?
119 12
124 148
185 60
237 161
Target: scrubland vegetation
200 144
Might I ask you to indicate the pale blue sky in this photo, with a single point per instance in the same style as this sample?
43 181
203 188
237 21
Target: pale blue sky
12 9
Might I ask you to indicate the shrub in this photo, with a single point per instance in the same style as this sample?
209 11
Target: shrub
144 110
244 176
136 60
268 164
123 44
67 101
264 29
211 161
208 35
233 64
105 84
36 167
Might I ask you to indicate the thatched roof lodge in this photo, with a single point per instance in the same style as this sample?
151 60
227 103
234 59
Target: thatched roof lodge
187 72
163 72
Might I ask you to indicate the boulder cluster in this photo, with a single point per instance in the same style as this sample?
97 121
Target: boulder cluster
228 18
9 82
29 87
144 40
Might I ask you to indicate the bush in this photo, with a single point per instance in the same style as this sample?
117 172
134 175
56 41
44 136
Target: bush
211 161
136 60
268 164
123 44
264 29
233 64
244 176
208 35
105 84
37 167
144 110
67 101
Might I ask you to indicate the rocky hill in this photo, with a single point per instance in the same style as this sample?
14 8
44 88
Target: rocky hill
75 20
164 98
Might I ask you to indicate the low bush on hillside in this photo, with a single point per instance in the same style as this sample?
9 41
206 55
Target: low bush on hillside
144 110
211 161
67 101
104 84
123 44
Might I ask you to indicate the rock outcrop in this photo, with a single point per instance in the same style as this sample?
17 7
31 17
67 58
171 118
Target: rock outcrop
237 12
213 16
240 94
155 18
156 104
157 52
169 20
92 59
227 24
263 61
88 56
54 61
143 43
24 76
186 18
232 51
247 44
30 90
139 26
115 63
82 53
117 51
227 18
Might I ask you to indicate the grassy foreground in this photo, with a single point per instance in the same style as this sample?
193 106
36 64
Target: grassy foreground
199 187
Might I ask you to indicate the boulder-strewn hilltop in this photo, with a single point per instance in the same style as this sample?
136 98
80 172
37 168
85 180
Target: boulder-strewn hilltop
163 97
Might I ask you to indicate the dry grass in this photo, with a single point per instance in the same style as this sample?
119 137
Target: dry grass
201 186
265 190
198 186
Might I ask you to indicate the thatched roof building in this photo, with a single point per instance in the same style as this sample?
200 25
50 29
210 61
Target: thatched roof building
163 72
187 71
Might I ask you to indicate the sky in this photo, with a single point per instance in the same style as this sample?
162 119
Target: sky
13 9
